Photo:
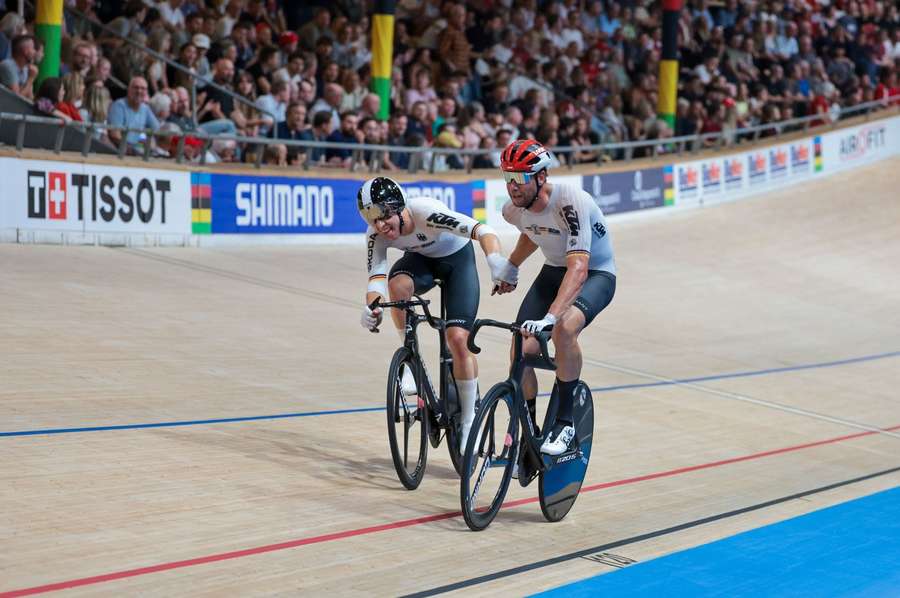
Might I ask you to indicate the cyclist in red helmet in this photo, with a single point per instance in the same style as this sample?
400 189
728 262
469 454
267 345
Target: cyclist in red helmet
578 279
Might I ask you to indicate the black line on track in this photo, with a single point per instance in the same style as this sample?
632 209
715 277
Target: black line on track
636 539
260 282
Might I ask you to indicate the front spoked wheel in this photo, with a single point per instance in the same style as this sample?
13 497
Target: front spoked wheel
489 458
407 420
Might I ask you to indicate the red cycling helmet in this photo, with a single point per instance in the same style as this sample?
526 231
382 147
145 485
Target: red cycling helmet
525 155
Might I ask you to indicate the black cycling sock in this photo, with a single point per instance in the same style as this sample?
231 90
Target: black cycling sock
566 400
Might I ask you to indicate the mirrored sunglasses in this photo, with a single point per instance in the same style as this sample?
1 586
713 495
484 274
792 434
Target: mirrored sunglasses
520 178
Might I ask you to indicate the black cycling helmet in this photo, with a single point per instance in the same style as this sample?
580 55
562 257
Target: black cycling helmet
379 198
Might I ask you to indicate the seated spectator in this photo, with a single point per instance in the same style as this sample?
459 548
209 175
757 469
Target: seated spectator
320 131
11 25
421 89
346 134
218 115
331 100
95 109
294 127
447 138
132 112
486 160
275 104
48 98
73 94
354 92
396 136
275 155
19 71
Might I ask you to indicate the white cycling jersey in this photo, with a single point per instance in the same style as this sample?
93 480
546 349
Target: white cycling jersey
438 232
571 223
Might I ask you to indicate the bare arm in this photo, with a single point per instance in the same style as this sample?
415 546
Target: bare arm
524 248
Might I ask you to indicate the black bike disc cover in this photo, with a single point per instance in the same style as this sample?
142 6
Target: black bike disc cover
559 486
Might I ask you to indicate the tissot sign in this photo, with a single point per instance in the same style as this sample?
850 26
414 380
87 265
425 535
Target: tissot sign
87 198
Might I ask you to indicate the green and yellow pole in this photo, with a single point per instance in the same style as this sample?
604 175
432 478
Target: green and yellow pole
48 27
668 65
382 54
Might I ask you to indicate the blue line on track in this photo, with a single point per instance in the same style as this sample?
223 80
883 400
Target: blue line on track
229 420
849 549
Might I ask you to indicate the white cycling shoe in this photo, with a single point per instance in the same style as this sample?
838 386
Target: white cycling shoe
560 443
408 382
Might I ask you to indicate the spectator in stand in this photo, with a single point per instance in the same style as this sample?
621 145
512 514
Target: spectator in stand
453 46
180 113
172 16
73 95
371 105
48 97
320 131
276 155
19 71
217 114
268 61
318 27
346 134
275 104
293 128
95 109
11 25
421 89
201 65
132 112
397 128
331 100
187 58
354 92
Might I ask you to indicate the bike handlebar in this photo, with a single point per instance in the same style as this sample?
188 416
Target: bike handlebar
542 361
407 304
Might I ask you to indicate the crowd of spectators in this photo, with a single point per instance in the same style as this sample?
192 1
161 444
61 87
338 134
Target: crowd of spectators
465 74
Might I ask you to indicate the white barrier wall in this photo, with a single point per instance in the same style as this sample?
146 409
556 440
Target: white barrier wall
61 202
46 201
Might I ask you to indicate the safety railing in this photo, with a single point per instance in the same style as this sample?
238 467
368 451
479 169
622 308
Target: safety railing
370 157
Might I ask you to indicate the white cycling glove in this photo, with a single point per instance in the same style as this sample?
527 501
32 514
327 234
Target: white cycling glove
370 319
502 270
535 326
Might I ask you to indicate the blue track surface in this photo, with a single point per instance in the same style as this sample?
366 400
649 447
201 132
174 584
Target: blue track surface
228 420
852 549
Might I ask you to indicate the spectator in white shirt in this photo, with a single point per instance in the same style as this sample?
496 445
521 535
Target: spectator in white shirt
275 102
170 10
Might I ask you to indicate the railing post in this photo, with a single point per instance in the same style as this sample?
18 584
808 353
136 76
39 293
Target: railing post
194 101
20 134
60 133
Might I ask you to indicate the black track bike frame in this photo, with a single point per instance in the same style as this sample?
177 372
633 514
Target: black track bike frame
543 361
438 404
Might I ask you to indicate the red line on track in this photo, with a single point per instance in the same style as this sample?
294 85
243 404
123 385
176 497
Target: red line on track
84 581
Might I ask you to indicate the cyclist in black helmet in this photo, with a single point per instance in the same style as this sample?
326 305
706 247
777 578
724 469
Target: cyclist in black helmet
436 244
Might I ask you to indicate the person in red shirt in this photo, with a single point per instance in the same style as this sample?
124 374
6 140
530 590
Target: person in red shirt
73 94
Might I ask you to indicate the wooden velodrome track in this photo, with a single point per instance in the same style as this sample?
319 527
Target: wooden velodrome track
746 373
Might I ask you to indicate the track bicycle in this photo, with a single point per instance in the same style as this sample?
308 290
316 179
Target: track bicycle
494 449
415 420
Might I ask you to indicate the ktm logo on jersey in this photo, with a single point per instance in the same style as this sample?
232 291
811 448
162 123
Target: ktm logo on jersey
599 229
571 217
443 220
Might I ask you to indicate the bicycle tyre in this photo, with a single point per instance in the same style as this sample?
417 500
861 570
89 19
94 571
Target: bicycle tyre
485 421
410 416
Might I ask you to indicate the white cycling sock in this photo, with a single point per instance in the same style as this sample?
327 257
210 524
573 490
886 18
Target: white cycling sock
468 396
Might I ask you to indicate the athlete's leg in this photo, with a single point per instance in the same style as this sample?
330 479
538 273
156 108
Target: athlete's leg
400 288
568 359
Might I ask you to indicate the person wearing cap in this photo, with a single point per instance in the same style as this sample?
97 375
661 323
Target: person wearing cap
288 41
202 43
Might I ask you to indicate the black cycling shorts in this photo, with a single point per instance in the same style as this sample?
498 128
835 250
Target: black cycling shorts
596 294
457 270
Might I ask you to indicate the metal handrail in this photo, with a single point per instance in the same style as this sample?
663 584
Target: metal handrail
674 145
